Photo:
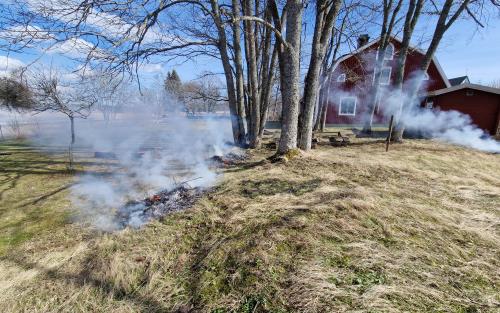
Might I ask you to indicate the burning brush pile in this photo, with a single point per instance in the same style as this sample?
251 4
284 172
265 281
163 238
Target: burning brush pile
136 213
231 158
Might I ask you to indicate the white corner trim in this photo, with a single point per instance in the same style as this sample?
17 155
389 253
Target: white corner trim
355 105
441 72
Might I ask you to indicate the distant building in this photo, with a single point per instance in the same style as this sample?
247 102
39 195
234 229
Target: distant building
347 87
459 80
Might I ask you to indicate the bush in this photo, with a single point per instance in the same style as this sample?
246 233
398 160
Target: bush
15 95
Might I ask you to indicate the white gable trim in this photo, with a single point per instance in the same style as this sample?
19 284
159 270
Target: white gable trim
371 43
464 86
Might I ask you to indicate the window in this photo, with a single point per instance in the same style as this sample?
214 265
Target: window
429 104
385 76
388 53
341 78
469 93
347 106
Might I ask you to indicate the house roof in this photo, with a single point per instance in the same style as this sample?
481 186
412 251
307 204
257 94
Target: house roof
371 43
464 86
459 80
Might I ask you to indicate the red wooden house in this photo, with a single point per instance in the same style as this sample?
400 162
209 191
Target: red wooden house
481 103
347 87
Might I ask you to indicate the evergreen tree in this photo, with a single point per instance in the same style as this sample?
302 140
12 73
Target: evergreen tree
173 84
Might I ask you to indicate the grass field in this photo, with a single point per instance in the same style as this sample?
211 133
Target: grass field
351 229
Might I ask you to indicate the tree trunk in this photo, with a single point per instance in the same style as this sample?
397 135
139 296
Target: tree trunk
72 123
412 16
290 75
238 63
252 76
238 133
326 14
268 66
323 105
70 152
266 92
389 20
443 24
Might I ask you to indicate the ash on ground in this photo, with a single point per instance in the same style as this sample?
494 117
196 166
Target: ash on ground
137 213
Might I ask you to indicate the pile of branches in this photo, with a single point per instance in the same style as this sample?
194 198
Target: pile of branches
136 213
230 158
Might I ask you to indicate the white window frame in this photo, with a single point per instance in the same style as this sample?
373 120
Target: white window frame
392 54
355 105
341 78
429 104
378 99
390 74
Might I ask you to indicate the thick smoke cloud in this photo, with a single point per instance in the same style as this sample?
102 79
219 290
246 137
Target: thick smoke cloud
151 153
151 156
448 126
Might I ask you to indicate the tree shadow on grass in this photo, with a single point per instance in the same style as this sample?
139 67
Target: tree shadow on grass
10 182
273 186
245 166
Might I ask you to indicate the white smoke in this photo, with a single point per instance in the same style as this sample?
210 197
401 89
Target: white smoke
449 126
151 156
151 153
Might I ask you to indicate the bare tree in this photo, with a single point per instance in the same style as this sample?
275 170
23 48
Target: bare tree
203 95
326 13
289 58
447 14
389 20
70 99
352 20
495 83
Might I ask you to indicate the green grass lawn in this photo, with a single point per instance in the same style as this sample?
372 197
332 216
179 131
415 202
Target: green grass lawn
33 193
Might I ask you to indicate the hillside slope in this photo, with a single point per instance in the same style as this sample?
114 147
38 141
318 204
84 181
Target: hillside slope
351 229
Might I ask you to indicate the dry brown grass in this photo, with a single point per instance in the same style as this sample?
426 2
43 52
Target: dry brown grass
350 229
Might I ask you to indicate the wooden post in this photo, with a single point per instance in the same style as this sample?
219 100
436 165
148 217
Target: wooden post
390 134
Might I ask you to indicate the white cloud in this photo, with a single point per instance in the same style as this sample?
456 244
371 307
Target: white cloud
8 64
75 48
150 68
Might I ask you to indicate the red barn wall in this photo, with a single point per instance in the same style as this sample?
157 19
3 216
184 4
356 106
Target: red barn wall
483 107
360 67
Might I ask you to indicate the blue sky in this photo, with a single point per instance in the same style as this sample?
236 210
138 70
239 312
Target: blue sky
467 52
463 51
